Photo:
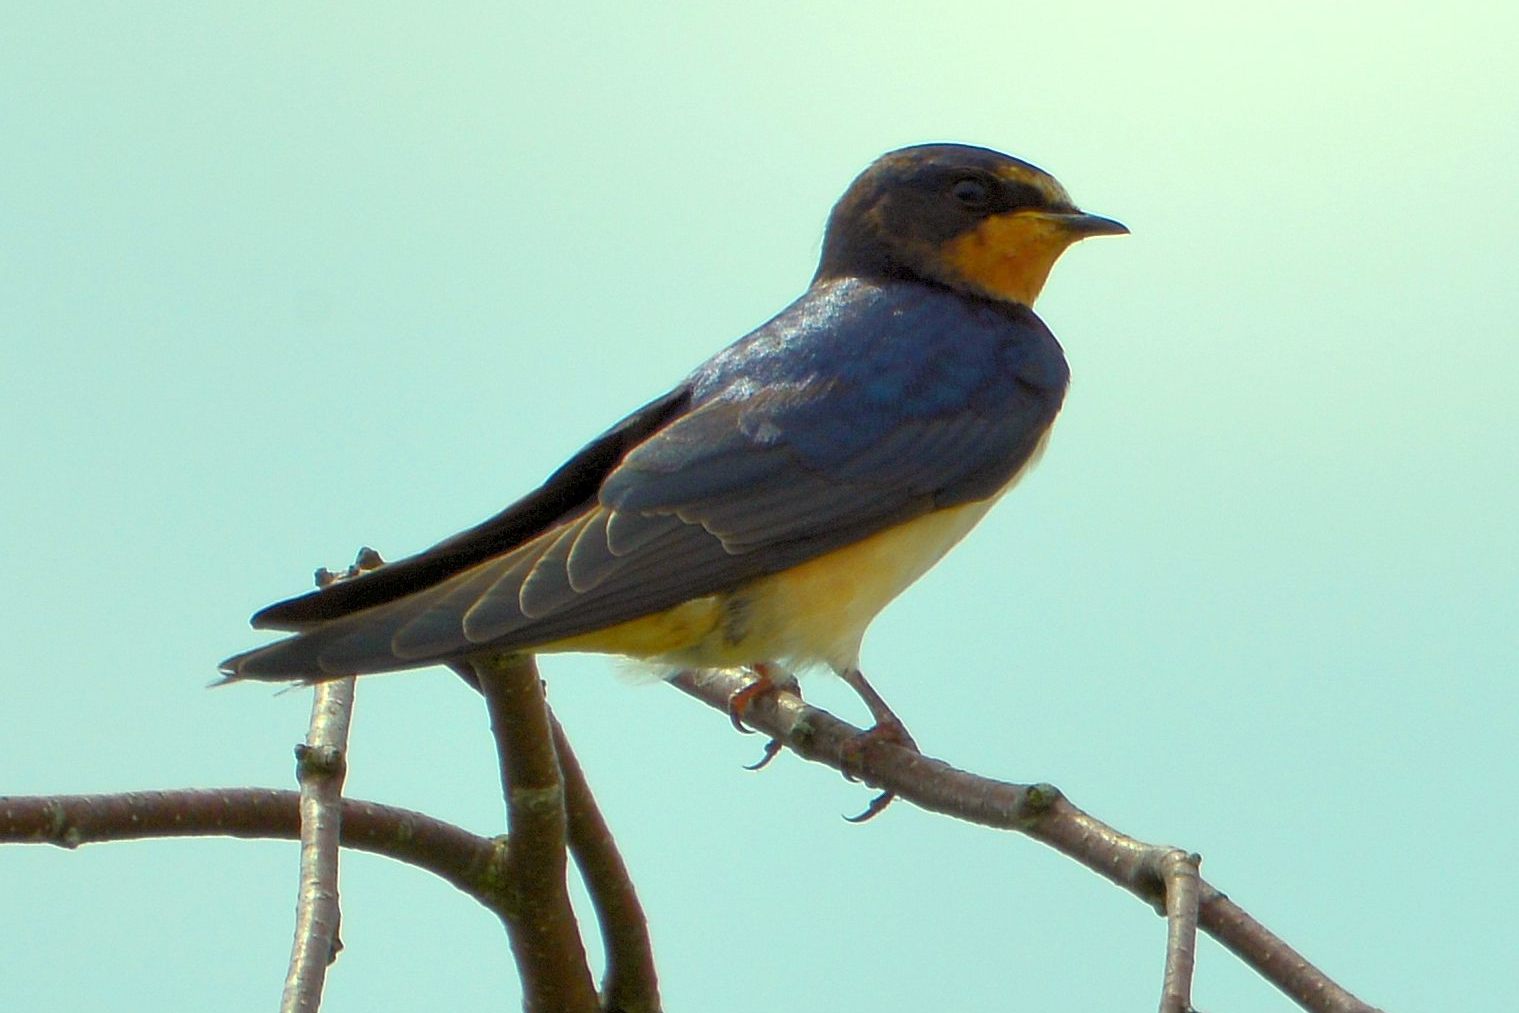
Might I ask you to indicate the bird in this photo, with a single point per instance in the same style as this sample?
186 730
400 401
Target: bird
761 513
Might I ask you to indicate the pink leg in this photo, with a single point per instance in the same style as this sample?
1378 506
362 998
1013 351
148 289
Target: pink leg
887 728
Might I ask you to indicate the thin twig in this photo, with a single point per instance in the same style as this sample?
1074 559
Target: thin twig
472 863
544 935
1177 871
1038 810
631 984
321 764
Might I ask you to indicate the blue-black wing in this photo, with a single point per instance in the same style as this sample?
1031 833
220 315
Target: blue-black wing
860 407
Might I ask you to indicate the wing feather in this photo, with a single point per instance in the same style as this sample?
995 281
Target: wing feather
433 626
547 587
496 612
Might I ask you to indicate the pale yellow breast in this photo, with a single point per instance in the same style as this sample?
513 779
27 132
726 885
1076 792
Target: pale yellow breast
818 612
813 613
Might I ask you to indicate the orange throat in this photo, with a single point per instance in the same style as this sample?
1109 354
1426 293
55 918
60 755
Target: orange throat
1009 256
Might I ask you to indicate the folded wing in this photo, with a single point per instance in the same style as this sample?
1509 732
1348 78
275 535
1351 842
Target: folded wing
684 500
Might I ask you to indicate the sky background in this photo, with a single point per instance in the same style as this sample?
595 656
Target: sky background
280 282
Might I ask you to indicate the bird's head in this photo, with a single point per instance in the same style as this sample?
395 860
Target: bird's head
974 219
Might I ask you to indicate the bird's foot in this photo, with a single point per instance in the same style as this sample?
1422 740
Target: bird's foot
852 751
888 728
768 678
890 731
763 684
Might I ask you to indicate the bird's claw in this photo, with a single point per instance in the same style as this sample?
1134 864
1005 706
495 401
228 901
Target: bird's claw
877 805
772 750
851 752
740 701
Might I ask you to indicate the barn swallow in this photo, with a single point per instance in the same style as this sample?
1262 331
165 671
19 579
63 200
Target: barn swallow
762 512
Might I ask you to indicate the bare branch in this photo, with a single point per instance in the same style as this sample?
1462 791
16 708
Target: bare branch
472 863
1177 871
541 925
1038 810
320 768
631 984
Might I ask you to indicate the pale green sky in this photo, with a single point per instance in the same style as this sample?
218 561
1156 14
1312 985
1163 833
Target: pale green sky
279 282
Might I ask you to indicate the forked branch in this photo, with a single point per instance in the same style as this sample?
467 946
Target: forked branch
541 925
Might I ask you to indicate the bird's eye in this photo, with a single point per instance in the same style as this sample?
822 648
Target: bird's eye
972 193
